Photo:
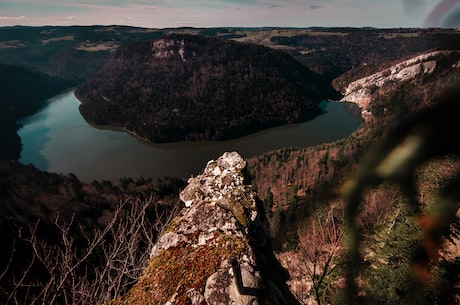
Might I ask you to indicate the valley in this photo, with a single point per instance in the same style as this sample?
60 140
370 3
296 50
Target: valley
58 139
391 186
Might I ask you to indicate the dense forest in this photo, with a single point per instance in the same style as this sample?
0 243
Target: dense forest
36 63
71 55
353 53
300 174
186 87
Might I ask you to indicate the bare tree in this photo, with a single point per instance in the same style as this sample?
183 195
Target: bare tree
93 266
320 244
378 202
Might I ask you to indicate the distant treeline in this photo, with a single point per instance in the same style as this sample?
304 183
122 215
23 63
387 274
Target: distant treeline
357 52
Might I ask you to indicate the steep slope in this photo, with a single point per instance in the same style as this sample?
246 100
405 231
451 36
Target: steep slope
301 186
186 87
355 52
305 172
216 251
57 215
361 91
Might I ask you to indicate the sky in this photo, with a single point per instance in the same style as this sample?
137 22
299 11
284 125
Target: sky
238 13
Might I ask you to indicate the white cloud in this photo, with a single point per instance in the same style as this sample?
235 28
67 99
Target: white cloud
12 18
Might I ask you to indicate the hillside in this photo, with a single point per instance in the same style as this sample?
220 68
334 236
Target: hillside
36 63
386 99
193 88
301 188
51 223
70 55
351 53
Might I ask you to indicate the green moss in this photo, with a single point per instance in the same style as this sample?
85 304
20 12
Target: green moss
240 214
179 269
241 205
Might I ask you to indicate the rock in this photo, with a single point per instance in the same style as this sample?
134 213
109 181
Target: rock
360 91
219 227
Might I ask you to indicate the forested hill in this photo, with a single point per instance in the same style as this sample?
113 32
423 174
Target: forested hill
186 87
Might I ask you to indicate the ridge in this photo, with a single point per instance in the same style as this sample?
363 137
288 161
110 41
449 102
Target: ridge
216 250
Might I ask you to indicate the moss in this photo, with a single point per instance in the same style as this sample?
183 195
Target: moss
241 204
240 214
178 269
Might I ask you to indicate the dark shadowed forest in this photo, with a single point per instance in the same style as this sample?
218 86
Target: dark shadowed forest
201 89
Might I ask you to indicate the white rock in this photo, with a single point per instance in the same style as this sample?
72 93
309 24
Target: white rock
167 241
360 91
217 171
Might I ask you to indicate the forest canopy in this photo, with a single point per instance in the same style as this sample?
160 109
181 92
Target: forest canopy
185 87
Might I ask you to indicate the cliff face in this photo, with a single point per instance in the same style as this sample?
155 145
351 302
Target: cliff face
216 251
362 91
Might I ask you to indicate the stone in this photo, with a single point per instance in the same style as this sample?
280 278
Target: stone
360 91
219 225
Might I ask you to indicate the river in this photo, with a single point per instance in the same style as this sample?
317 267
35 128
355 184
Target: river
58 139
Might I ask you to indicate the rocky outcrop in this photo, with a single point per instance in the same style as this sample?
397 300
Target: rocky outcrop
165 48
216 251
360 91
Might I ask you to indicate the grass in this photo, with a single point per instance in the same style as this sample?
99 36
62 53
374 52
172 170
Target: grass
55 39
96 47
11 44
175 271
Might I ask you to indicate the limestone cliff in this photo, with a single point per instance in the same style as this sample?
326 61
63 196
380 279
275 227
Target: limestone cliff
216 251
362 90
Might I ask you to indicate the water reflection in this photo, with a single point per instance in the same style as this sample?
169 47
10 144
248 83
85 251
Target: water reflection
57 139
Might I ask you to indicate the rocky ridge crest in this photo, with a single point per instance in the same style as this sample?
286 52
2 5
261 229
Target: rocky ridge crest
216 251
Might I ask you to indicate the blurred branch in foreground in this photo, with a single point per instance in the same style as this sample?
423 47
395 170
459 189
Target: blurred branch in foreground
428 135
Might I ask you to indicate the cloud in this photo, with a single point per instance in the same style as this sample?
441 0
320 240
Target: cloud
12 18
